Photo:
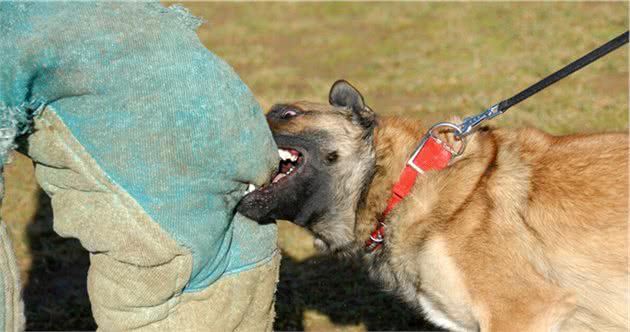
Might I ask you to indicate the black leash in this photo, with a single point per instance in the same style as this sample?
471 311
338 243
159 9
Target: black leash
470 123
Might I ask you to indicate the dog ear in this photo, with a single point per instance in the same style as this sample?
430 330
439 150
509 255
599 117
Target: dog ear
343 94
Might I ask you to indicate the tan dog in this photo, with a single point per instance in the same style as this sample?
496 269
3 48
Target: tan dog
523 232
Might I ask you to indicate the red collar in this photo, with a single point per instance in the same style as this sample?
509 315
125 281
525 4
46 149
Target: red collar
431 154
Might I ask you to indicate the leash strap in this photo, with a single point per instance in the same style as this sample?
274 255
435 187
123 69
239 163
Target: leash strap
470 123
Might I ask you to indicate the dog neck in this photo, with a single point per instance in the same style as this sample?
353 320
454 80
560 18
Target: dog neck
395 139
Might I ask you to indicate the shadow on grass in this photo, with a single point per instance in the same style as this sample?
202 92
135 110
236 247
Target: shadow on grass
55 294
340 289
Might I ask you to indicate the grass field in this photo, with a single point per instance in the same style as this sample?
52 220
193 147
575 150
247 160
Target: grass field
421 60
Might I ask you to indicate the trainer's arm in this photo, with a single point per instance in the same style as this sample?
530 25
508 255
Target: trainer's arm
145 142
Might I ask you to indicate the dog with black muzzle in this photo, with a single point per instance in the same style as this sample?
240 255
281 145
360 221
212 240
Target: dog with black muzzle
522 232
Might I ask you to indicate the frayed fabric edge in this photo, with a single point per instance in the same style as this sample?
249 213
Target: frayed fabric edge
187 18
14 122
183 15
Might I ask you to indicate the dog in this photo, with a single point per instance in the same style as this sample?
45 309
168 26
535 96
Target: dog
523 231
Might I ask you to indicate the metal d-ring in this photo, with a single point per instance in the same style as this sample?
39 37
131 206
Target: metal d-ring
458 135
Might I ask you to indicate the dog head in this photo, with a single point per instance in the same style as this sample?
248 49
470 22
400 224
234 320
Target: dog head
327 163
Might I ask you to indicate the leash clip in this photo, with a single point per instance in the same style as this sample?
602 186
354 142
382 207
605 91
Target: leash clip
469 123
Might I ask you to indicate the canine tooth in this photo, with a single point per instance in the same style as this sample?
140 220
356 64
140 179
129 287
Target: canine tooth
250 188
284 154
294 157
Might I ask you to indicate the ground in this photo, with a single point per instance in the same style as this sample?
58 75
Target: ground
421 60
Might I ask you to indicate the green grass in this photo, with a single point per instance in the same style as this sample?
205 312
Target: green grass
421 60
431 60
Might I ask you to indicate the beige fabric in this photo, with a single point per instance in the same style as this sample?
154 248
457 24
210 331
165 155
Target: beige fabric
137 271
12 312
239 302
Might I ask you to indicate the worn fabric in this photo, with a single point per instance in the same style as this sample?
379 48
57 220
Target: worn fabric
145 142
164 118
137 271
239 302
11 307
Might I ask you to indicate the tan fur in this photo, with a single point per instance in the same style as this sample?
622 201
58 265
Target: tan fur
523 232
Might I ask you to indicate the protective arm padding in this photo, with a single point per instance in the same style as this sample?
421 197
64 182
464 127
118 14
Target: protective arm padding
137 271
11 306
145 142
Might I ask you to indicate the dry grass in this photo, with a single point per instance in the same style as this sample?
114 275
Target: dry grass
425 60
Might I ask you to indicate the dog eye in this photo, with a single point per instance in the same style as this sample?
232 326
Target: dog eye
288 114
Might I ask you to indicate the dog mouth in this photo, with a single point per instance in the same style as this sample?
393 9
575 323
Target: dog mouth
278 199
291 161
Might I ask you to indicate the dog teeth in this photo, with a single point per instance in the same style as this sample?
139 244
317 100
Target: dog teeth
284 154
250 188
288 155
